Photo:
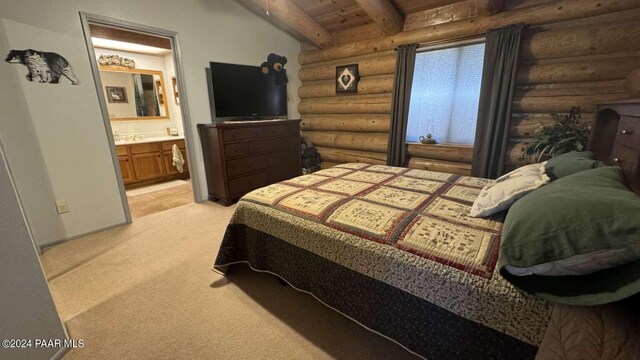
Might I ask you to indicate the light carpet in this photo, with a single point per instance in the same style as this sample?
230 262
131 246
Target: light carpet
146 291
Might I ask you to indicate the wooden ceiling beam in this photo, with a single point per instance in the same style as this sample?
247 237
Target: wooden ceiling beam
363 32
290 17
463 10
489 7
384 14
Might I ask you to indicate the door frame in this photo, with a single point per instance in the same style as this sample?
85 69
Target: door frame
86 19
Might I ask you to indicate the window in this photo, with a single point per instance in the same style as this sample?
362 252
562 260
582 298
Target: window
445 94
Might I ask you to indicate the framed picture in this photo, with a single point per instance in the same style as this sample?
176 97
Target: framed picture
116 94
174 86
347 79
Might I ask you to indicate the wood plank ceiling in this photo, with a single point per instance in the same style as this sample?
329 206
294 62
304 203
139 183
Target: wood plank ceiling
311 20
411 6
335 15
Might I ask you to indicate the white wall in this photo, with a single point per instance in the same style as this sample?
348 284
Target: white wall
26 308
18 135
66 119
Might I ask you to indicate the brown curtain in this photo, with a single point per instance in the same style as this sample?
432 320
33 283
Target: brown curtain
502 49
405 63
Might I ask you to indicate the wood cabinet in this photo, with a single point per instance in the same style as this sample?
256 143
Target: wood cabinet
150 162
242 156
616 138
148 166
168 163
126 168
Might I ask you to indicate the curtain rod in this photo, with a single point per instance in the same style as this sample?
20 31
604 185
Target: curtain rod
444 44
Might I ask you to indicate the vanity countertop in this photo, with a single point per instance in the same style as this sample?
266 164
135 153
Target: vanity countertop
149 140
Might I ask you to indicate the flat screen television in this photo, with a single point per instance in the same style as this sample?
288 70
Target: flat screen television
242 92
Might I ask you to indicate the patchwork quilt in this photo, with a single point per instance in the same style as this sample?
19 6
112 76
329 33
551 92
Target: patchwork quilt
408 233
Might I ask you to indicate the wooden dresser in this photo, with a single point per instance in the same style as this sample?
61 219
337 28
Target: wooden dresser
150 162
616 138
243 156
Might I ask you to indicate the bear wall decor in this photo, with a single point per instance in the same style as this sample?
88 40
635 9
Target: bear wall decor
44 67
275 65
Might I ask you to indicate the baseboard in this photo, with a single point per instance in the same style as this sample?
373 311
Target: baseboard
60 354
42 247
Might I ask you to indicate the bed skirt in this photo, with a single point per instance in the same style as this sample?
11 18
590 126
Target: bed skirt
419 326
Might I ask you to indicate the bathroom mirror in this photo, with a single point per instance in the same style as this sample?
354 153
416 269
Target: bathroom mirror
134 94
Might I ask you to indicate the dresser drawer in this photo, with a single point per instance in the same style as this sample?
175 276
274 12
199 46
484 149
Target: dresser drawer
260 146
168 145
230 135
237 149
145 148
282 130
624 156
244 165
284 158
267 145
288 143
244 184
629 132
629 160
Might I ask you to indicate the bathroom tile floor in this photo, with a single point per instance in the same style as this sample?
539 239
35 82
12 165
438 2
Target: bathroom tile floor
158 200
155 187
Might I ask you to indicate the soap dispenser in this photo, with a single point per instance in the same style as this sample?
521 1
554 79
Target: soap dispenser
174 131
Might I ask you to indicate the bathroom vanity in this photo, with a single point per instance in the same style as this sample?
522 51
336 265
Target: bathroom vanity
148 161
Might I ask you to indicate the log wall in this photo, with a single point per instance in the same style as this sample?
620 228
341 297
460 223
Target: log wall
576 53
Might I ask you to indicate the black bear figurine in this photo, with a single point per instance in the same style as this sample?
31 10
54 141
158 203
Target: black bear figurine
276 64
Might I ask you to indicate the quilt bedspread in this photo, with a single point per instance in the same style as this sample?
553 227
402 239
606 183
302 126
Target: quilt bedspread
407 228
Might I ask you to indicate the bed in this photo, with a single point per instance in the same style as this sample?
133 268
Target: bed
412 265
395 250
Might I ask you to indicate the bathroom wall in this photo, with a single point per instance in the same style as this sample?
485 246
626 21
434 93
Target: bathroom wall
116 79
69 133
148 128
174 109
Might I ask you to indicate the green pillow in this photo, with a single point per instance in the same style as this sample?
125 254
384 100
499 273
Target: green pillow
579 214
570 163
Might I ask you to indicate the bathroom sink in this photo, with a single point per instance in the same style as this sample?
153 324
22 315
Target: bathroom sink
148 139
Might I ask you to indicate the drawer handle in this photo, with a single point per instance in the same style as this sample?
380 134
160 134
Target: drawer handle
237 149
248 165
625 132
617 160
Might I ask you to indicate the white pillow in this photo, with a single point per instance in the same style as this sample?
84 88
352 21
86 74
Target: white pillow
505 190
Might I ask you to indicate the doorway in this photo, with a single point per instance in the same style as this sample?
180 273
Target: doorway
139 82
